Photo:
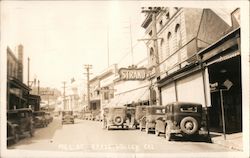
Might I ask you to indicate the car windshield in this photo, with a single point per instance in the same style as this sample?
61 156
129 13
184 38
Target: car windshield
67 112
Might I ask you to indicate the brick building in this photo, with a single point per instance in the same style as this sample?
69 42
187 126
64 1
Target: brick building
17 91
181 39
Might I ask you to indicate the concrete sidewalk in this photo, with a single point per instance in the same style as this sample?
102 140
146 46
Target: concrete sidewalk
232 141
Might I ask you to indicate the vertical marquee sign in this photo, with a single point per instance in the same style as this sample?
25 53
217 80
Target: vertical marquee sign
132 73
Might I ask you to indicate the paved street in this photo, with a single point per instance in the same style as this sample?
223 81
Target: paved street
88 136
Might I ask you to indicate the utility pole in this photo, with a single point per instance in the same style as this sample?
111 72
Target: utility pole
153 11
131 43
64 86
28 82
108 44
38 88
88 67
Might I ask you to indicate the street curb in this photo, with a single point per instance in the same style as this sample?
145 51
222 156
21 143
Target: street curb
226 145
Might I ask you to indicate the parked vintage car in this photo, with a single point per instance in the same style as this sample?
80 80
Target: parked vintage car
67 117
48 117
39 119
88 115
153 112
115 117
131 117
19 124
140 112
180 118
12 134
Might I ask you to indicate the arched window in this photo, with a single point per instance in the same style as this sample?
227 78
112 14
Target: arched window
178 36
162 47
170 43
151 56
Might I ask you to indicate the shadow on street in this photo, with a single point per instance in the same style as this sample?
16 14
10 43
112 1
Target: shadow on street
38 135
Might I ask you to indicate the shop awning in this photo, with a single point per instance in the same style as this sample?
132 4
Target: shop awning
138 95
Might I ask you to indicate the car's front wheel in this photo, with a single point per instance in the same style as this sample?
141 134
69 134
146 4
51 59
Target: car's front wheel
157 133
16 139
168 134
140 126
147 128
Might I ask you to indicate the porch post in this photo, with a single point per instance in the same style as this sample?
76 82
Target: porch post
222 113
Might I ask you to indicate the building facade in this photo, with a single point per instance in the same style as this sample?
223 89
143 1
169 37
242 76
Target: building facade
107 88
95 94
17 91
178 68
129 91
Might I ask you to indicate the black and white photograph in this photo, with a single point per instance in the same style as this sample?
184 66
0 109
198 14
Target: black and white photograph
117 78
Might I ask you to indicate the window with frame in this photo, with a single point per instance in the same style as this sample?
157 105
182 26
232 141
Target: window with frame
162 49
170 43
188 109
167 15
178 36
151 54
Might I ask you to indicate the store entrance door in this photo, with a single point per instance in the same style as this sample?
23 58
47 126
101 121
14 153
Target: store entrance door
227 76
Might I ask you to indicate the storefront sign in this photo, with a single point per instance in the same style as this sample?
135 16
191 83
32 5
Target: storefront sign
133 73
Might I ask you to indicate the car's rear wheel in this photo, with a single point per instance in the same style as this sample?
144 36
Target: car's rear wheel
189 125
118 120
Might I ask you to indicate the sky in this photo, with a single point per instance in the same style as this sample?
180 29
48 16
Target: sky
60 37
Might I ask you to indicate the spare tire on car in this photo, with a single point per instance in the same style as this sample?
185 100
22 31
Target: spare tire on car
118 120
189 125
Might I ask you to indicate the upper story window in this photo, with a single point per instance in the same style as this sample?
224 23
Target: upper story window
150 33
178 36
162 46
161 23
151 56
167 15
170 43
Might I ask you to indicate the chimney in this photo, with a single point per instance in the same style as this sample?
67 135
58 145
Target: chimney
20 63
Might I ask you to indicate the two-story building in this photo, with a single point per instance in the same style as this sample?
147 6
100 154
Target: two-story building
17 91
95 94
177 63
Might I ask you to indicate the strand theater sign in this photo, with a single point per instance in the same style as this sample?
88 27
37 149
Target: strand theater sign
132 73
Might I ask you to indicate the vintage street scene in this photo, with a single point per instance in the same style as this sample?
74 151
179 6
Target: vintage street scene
122 77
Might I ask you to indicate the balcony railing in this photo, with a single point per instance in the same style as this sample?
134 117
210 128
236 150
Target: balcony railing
180 58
